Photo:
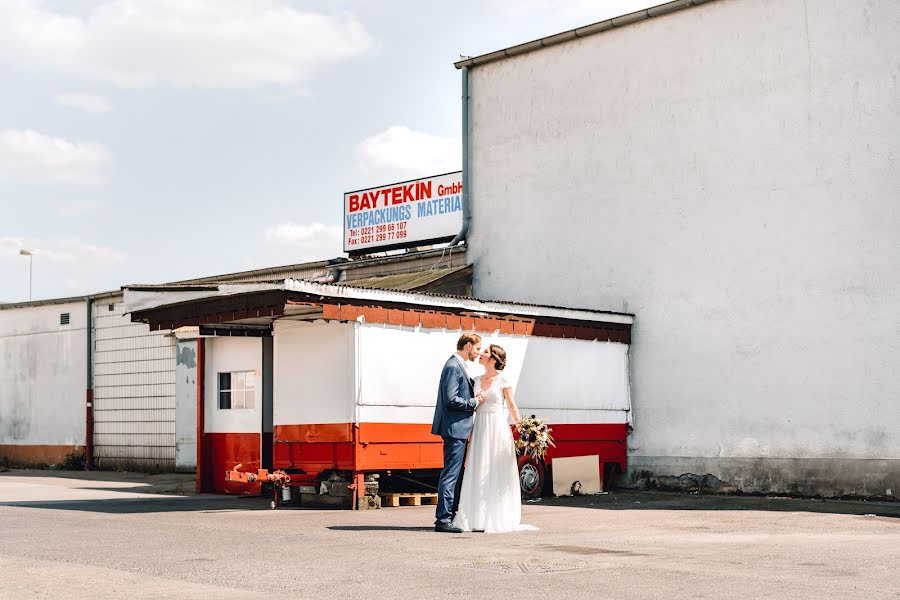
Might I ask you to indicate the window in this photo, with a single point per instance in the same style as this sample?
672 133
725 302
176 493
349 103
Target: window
63 318
237 390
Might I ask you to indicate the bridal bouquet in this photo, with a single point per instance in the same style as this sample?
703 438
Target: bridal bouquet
534 437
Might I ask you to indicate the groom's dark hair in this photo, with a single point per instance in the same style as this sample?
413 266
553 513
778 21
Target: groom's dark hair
465 338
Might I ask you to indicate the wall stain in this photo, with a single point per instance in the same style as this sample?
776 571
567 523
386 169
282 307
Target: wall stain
186 357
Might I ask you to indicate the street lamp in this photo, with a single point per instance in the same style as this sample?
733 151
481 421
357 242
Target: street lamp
30 256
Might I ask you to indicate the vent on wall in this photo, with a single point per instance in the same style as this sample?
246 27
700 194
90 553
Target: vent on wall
63 318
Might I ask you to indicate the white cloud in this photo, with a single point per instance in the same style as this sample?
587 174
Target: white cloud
31 157
77 208
209 44
588 11
62 252
298 242
60 267
400 151
86 102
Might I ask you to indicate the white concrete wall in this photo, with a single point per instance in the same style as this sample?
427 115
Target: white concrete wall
729 173
186 406
43 375
228 354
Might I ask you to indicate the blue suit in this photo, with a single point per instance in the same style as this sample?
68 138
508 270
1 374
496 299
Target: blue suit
453 420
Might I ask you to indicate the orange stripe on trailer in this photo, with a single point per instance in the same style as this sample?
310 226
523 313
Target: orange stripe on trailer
396 433
324 432
383 446
404 455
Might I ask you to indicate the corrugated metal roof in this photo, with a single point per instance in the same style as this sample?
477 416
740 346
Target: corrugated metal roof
267 275
307 270
404 281
497 301
145 299
186 287
448 301
565 36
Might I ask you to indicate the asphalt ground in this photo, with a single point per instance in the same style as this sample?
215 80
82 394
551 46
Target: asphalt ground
122 535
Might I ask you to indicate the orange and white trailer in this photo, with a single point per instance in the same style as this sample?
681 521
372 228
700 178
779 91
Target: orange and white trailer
307 379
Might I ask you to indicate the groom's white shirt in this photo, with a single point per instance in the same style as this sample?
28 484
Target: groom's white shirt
462 362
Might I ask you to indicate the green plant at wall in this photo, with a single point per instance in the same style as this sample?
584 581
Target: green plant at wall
74 461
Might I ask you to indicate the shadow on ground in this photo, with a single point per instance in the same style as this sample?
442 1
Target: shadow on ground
628 500
167 494
376 528
161 504
111 481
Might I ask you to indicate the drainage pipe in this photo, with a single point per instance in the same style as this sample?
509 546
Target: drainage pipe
467 213
89 393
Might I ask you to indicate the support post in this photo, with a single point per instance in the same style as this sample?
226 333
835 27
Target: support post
201 373
359 492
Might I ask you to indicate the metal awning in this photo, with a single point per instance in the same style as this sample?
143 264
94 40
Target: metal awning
258 305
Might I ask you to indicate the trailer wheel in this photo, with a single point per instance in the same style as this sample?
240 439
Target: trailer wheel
531 476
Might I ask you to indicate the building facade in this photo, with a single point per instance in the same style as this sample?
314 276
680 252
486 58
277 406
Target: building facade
43 347
315 378
135 392
728 173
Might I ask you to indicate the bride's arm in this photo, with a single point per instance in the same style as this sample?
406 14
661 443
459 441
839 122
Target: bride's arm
511 404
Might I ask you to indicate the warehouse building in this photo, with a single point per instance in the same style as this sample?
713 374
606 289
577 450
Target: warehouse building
726 171
133 405
723 170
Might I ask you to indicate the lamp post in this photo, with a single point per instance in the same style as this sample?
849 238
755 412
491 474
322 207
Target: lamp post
30 256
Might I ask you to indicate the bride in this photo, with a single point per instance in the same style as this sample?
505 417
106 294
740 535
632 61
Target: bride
490 499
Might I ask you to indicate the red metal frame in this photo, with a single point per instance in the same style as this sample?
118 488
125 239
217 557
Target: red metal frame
608 440
227 450
387 446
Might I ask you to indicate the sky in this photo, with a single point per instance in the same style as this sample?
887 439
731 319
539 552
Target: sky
145 141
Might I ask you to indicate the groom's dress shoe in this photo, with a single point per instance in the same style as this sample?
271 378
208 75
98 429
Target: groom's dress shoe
446 528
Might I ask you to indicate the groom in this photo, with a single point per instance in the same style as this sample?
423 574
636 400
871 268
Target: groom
453 419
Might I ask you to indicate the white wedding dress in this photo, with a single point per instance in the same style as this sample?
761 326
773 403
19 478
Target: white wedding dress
490 499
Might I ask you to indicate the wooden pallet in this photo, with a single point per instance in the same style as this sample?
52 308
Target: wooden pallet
407 499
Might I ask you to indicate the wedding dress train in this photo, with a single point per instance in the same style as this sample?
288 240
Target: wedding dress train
490 499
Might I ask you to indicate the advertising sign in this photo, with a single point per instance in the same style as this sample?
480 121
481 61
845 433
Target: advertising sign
400 215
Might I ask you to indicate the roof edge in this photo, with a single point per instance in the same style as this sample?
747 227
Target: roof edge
456 302
210 281
579 32
63 300
140 304
44 302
